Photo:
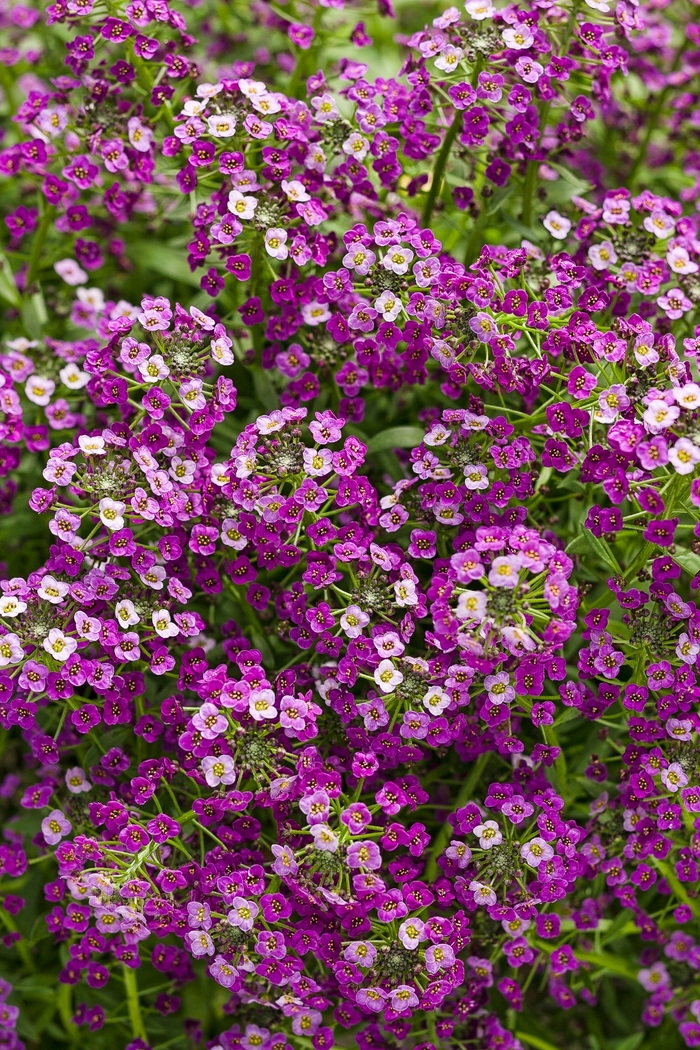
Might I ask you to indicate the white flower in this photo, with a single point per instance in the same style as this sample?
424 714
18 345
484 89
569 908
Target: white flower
518 37
203 320
660 224
140 136
674 777
659 416
405 593
295 190
557 225
687 396
489 834
388 305
70 272
480 9
261 704
52 590
684 455
59 645
449 59
353 620
112 513
325 107
218 770
356 146
252 88
21 344
76 781
315 313
222 126
324 838
10 606
397 260
208 91
92 446
11 652
73 377
602 255
276 243
241 205
471 606
387 676
436 700
193 107
39 390
267 104
163 625
153 369
679 261
437 435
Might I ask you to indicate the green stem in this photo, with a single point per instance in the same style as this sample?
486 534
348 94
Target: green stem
529 187
439 169
474 243
133 1005
463 796
38 247
432 1028
64 1001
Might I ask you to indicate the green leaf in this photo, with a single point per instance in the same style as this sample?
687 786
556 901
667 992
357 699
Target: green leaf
8 288
164 260
606 961
688 561
263 388
545 475
396 437
535 1040
629 1042
596 546
531 232
620 926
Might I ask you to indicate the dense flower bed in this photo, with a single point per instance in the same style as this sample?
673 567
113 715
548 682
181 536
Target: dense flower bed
350 526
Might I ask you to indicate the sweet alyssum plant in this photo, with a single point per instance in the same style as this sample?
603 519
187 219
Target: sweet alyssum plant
348 615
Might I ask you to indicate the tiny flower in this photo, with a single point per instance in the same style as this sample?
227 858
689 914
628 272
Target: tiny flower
489 834
353 620
112 513
518 37
684 455
55 827
39 390
276 243
218 770
324 838
439 957
397 260
222 126
673 777
76 781
557 225
535 852
483 894
601 256
59 645
387 676
241 205
294 190
69 271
